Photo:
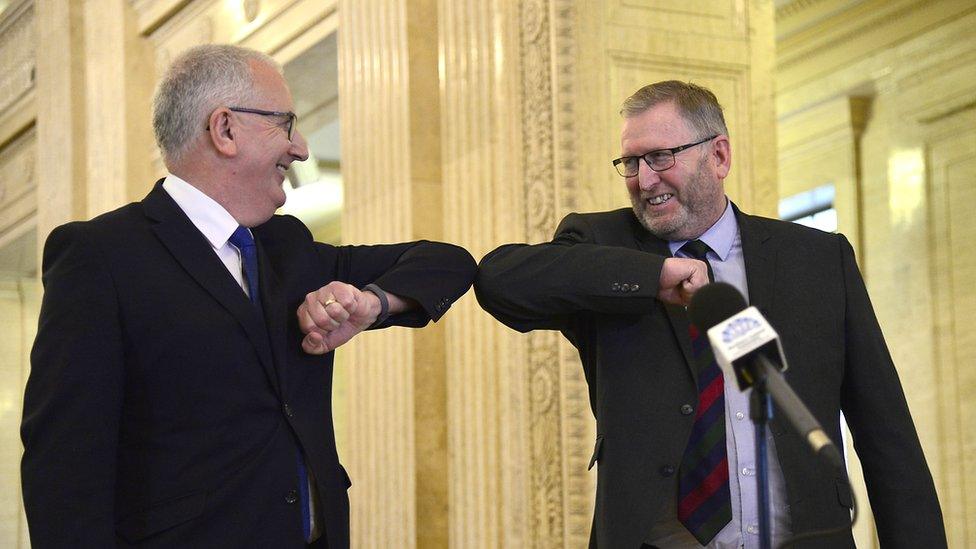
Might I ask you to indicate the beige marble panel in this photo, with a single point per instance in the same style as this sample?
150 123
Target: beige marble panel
11 403
854 51
17 54
820 146
917 62
60 96
952 158
19 302
720 18
18 184
116 106
374 107
488 437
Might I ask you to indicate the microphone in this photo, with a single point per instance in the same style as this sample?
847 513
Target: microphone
746 345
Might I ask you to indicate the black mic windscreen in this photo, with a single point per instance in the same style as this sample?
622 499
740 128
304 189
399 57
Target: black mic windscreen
713 303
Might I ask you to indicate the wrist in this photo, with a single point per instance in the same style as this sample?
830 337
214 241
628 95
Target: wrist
382 303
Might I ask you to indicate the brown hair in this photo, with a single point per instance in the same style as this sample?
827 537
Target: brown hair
697 104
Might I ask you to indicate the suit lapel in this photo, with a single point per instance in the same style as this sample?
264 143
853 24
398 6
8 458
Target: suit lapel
275 311
759 256
192 251
677 316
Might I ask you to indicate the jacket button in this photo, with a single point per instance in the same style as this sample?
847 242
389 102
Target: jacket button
615 287
625 287
667 470
634 287
288 411
291 497
687 409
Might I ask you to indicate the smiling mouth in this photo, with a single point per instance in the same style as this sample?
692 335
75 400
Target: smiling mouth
659 199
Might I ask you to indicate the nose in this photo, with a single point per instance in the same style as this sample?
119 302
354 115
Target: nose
646 177
299 147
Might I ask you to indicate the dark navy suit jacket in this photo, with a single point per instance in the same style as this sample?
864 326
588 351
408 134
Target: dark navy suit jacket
597 282
162 410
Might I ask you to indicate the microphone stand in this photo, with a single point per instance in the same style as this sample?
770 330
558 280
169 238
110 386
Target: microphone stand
761 411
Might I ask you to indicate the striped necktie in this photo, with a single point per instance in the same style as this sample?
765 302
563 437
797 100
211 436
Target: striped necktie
704 502
244 242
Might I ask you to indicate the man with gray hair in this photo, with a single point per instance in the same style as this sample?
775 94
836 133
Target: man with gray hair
677 463
180 386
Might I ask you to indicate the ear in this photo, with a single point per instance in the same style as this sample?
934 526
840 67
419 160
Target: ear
223 130
722 156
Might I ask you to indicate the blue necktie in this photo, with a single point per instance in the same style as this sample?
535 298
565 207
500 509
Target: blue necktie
244 242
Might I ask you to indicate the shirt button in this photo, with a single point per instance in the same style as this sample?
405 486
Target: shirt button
667 471
748 471
752 529
739 416
288 411
291 497
687 409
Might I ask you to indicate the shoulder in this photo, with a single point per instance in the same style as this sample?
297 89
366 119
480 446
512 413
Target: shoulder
800 239
110 227
283 230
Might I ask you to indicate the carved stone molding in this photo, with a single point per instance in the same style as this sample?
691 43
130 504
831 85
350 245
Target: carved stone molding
251 9
546 472
17 55
790 8
576 421
18 183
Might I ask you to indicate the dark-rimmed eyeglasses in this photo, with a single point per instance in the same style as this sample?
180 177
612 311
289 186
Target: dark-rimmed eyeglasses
292 118
657 160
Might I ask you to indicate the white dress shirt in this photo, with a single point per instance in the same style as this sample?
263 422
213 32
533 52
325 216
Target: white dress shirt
211 219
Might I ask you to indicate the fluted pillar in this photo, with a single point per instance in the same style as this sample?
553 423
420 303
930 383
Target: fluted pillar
395 417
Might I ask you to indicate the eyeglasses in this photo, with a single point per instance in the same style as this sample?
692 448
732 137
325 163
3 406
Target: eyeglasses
657 160
292 117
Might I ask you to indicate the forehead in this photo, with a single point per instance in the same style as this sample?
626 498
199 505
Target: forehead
270 87
660 126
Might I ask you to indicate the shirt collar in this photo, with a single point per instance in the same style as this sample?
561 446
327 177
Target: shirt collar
209 217
719 236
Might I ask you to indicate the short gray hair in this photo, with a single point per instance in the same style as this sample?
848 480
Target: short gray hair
198 81
697 105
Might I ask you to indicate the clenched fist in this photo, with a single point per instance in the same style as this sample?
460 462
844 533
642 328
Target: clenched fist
680 279
334 314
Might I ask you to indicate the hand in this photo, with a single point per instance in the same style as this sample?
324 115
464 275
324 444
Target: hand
334 314
680 279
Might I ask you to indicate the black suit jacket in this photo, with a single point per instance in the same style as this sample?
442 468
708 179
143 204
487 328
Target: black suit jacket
162 410
597 281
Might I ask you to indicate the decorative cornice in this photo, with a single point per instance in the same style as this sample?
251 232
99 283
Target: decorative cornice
18 182
150 14
790 8
17 54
